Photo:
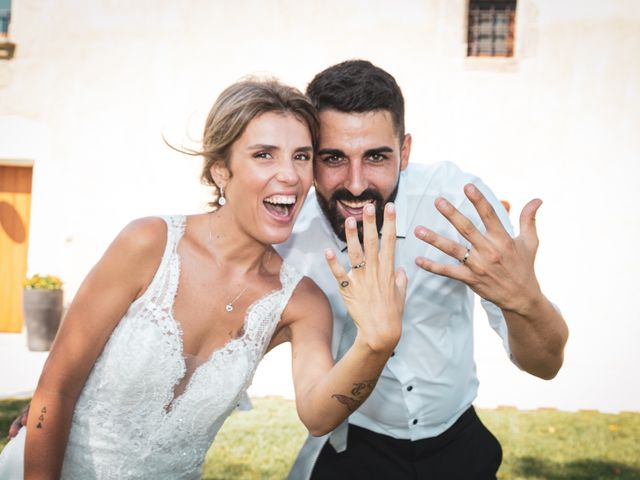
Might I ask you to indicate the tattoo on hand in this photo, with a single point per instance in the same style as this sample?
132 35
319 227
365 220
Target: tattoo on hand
360 392
41 417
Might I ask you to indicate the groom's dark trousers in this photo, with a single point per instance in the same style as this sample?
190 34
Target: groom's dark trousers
466 451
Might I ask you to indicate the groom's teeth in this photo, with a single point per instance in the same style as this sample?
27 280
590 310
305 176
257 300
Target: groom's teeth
356 204
281 199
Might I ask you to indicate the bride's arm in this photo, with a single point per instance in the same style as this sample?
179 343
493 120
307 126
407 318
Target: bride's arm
123 272
374 295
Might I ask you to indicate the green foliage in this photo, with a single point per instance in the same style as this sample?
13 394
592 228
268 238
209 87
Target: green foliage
542 444
43 282
9 410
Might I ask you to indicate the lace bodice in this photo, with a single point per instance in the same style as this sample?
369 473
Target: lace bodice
127 423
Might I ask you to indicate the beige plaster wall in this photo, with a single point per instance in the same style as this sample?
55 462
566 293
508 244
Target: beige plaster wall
94 85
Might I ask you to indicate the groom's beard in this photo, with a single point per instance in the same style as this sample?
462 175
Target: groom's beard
330 208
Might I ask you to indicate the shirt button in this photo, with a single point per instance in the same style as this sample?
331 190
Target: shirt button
415 421
409 388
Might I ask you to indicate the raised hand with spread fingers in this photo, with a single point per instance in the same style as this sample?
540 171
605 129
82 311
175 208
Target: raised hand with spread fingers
500 269
373 291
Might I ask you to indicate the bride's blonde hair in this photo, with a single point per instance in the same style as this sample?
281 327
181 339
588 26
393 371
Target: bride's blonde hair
235 107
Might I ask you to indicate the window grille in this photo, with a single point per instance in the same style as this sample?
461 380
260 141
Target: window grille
491 28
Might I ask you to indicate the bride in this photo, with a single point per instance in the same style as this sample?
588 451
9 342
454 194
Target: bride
164 335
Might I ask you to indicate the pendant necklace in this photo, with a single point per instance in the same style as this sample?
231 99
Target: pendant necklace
229 306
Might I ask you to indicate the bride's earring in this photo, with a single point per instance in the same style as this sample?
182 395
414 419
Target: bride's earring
221 199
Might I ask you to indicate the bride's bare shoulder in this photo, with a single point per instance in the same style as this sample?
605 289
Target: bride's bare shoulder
142 242
144 234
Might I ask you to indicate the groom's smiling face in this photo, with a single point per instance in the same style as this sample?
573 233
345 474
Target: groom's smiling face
359 160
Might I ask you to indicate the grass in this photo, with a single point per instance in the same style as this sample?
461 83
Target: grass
543 444
549 444
9 410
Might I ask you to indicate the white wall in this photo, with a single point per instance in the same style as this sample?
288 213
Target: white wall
97 83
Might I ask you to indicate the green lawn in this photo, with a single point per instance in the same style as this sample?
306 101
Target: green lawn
542 444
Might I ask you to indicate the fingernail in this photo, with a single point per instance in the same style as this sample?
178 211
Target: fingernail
441 202
328 253
369 208
391 208
471 188
351 222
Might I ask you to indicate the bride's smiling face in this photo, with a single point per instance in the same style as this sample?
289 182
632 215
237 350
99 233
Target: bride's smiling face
271 166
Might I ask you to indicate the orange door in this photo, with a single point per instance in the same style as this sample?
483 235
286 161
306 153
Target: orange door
15 206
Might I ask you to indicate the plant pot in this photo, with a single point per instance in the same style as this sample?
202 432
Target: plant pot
42 314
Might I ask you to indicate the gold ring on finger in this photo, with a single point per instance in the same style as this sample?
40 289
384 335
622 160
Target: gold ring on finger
363 263
344 283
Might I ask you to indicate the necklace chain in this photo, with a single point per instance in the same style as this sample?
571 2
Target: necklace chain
229 306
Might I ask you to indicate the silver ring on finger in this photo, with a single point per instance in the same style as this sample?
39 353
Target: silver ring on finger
466 256
363 263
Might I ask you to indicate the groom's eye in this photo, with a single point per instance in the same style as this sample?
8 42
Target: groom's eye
377 157
332 159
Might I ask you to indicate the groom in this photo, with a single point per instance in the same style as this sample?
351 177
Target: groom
454 238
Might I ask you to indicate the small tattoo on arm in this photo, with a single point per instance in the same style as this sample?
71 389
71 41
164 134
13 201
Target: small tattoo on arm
360 392
41 417
363 388
351 403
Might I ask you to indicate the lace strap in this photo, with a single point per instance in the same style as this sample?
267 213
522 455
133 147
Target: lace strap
289 279
265 315
175 229
156 292
165 282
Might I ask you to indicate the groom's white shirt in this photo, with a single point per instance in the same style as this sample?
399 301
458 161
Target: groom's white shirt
431 378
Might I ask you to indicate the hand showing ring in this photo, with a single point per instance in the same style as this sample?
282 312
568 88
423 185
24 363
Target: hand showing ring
502 267
374 296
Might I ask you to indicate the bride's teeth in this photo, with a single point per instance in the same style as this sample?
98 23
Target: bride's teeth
281 199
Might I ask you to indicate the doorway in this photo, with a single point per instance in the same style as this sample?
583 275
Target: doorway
15 210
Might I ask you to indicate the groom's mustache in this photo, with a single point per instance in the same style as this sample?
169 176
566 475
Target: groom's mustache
336 219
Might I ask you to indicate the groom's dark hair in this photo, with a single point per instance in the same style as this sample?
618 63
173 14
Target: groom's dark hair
358 86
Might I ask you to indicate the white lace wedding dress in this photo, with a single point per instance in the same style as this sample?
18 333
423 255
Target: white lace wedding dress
143 414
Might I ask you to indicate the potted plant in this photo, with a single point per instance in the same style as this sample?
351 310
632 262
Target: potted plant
42 306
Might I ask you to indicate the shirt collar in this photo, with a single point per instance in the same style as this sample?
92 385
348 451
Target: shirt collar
402 206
